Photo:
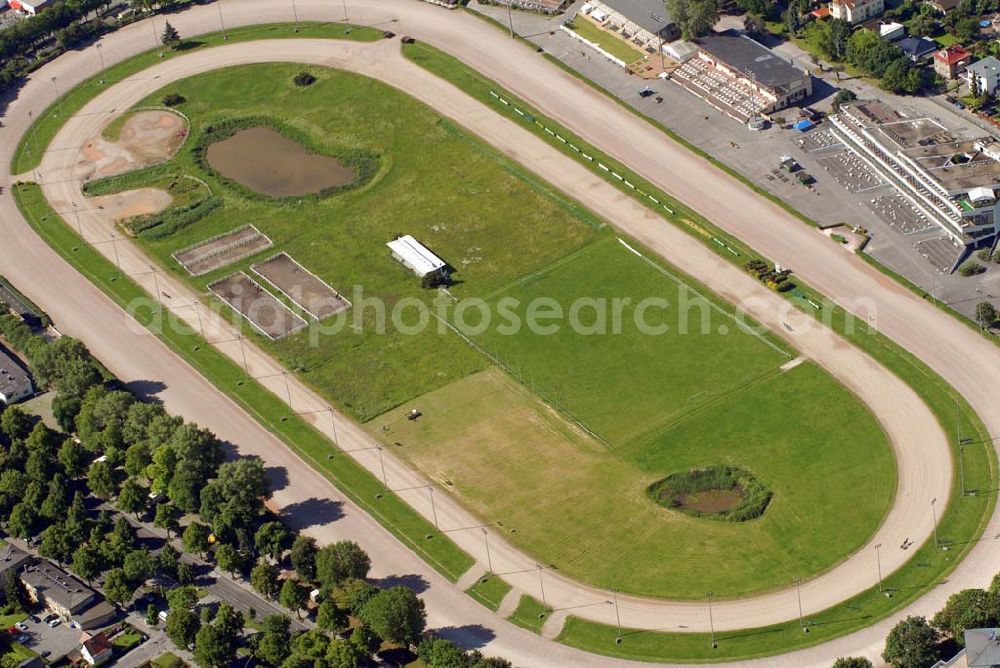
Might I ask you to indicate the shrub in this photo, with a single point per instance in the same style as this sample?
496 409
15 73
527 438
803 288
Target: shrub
971 269
173 99
304 79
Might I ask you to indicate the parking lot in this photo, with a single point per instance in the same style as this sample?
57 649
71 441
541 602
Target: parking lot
48 642
899 214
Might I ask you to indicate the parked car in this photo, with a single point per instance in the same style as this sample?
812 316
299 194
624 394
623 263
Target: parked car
23 638
49 617
34 618
21 626
54 623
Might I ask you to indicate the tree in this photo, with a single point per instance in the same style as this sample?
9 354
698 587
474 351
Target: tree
152 616
343 654
339 561
22 521
73 458
839 33
753 26
182 627
195 538
293 596
17 594
234 501
167 561
212 648
695 18
15 424
912 643
117 587
842 97
170 36
228 559
396 614
966 30
139 565
353 593
986 314
167 517
185 573
264 578
64 409
304 557
66 366
441 653
132 498
330 617
182 598
275 642
272 539
852 662
56 544
87 562
967 609
101 480
137 458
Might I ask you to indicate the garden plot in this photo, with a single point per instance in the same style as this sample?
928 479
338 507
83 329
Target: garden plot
303 287
223 249
260 307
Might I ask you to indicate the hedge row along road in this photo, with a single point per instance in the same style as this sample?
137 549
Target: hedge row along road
953 350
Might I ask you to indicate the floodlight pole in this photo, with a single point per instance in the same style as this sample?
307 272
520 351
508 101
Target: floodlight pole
798 594
961 447
934 515
295 15
222 23
541 585
243 352
288 389
486 541
34 130
618 619
58 100
510 18
100 52
878 565
711 620
156 286
345 11
114 246
381 462
333 421
434 512
659 33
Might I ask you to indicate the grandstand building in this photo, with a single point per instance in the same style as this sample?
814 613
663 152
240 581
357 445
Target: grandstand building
952 182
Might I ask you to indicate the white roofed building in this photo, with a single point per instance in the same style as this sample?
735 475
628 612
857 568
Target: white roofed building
416 257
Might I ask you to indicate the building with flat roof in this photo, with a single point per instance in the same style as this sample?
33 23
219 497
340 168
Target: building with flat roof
776 80
416 257
952 182
985 72
11 559
15 384
56 589
544 6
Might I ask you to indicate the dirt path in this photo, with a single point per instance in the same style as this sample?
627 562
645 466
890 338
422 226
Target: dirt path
954 351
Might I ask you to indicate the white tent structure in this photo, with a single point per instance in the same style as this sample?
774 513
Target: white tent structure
415 256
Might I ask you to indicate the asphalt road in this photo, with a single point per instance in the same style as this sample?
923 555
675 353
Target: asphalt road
934 336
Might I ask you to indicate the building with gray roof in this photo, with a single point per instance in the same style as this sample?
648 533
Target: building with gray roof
15 384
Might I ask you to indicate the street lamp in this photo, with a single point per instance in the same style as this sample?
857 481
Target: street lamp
222 24
434 512
659 33
100 52
295 15
58 100
934 516
541 586
486 541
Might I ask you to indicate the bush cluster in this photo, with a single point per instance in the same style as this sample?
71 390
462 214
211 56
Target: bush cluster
165 223
669 491
776 280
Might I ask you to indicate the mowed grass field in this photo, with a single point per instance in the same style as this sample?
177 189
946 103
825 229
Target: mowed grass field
434 182
581 506
700 392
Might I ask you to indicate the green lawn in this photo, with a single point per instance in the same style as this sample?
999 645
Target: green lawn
491 592
168 660
434 182
126 640
7 621
530 614
616 46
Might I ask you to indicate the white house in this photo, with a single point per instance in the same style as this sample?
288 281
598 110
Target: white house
28 6
986 72
415 256
856 11
96 650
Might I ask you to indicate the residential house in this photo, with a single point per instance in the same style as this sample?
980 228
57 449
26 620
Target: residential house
15 384
917 49
856 11
951 61
942 6
56 589
96 650
892 31
985 72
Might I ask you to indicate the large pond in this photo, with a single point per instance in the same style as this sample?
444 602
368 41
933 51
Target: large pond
268 163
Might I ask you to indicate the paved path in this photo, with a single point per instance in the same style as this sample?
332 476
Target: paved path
727 202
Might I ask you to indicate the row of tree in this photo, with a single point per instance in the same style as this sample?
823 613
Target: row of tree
916 642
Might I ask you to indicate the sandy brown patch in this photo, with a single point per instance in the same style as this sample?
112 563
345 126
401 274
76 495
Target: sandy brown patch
140 202
147 138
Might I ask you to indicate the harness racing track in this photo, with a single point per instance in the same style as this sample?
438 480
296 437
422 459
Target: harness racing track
953 350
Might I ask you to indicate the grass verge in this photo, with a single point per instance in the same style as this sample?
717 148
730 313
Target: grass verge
489 592
348 476
530 614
